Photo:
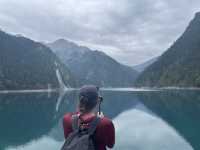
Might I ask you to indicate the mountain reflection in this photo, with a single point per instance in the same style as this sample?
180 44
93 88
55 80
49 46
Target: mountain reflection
180 109
25 117
137 129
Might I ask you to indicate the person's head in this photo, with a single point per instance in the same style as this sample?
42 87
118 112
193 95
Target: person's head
88 98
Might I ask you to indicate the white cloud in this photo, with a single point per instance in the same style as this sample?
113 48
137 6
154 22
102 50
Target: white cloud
129 30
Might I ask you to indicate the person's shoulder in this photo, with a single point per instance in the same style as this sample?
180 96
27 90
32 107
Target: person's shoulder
106 122
67 117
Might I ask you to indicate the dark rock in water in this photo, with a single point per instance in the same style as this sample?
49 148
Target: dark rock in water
25 64
93 67
179 65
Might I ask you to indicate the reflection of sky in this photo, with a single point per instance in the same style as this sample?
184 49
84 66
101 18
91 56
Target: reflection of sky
53 141
45 143
140 130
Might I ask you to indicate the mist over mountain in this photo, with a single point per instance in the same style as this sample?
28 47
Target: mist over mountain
179 65
141 67
92 66
25 64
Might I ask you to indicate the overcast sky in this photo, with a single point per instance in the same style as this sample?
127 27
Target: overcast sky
131 31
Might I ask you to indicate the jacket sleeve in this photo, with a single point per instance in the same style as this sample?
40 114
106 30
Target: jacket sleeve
110 132
67 126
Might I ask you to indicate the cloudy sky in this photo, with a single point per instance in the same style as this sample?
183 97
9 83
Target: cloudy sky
131 31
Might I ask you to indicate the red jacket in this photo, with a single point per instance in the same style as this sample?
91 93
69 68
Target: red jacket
104 135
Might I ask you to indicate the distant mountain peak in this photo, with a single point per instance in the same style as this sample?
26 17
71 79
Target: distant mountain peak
67 46
93 66
196 18
63 42
197 14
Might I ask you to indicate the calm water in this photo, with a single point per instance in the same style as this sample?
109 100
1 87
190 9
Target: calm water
144 120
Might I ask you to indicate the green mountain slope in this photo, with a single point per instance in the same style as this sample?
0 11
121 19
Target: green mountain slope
25 64
180 64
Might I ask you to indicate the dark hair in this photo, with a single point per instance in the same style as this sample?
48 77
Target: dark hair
85 104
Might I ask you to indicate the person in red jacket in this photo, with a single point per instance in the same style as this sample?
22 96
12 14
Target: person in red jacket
104 135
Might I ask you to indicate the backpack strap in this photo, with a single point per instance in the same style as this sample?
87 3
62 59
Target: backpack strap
75 119
93 125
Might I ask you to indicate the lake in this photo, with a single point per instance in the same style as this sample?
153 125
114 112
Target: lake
144 119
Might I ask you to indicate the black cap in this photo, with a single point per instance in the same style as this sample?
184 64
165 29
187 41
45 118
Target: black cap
90 92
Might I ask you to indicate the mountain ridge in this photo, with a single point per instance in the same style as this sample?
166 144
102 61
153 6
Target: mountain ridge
141 67
93 66
26 64
179 65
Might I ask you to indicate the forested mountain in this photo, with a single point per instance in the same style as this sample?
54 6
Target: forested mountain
93 67
141 67
180 64
25 64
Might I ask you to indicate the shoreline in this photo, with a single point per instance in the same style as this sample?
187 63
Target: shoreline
125 89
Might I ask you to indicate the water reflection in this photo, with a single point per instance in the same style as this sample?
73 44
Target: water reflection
148 120
44 143
27 117
181 109
24 118
139 130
